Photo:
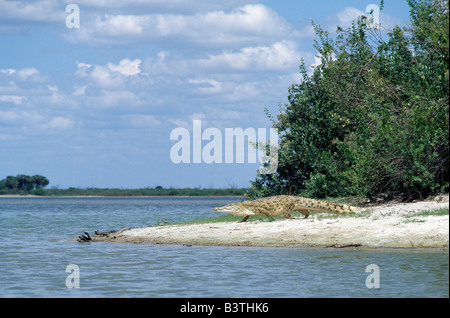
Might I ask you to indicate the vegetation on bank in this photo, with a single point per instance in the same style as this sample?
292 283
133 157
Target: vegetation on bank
436 212
320 216
373 118
34 185
24 184
157 191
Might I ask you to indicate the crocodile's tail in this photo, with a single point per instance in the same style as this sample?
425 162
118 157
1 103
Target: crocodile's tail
323 206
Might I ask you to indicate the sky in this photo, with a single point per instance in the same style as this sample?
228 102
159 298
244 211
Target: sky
95 104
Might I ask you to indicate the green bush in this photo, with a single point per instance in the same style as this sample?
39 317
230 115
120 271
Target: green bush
38 192
372 119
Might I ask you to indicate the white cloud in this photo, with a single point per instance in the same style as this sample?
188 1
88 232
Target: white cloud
79 90
102 76
343 18
9 137
22 118
43 11
82 65
347 16
278 56
318 60
12 99
162 5
8 116
82 69
197 116
110 76
59 123
115 98
143 121
52 88
188 122
251 23
8 71
19 15
181 123
22 74
206 85
119 25
126 67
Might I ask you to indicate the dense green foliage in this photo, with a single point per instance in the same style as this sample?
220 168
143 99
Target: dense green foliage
23 184
372 119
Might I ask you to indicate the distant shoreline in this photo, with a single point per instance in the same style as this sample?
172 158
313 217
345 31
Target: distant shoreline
116 196
116 192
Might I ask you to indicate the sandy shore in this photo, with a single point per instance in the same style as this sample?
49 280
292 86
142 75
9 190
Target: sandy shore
391 225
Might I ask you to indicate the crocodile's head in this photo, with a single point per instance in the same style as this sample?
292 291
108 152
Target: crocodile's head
235 209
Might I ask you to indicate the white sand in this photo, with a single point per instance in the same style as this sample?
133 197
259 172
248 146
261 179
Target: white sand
388 226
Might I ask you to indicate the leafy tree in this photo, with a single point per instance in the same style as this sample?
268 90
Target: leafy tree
24 183
40 181
372 119
12 183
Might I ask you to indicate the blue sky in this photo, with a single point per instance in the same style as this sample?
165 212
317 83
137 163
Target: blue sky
95 105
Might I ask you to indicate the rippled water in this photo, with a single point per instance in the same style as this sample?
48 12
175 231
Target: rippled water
35 250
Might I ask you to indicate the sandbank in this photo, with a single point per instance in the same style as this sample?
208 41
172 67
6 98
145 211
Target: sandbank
389 225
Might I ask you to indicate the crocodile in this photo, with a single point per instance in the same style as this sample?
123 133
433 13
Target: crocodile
282 205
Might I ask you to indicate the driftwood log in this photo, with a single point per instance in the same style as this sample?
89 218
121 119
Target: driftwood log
99 235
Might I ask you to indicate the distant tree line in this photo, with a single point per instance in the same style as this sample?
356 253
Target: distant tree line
156 191
23 184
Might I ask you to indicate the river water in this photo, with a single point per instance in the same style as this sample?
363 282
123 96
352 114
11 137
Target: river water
38 260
